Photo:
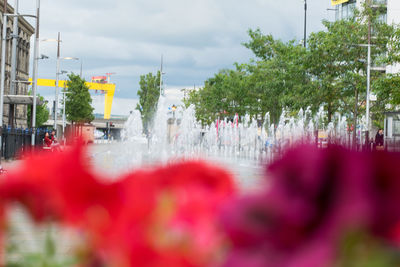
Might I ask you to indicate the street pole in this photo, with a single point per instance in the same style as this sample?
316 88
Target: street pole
14 50
35 73
57 77
3 74
305 23
63 116
368 86
368 83
13 63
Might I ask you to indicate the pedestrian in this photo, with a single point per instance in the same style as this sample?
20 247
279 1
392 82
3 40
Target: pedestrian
53 137
379 140
47 140
55 145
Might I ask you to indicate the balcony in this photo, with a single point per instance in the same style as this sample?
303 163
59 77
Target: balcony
379 2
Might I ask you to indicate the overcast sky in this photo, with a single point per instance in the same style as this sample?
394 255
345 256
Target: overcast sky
196 37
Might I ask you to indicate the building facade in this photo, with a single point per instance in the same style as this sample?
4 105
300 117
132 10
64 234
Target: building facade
25 32
346 10
391 16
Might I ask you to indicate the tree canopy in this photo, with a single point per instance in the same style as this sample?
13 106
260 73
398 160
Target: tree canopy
78 101
149 94
330 72
42 112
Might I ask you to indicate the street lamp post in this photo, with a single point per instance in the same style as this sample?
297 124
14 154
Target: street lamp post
305 23
58 40
13 63
35 72
368 90
57 77
2 69
63 116
368 83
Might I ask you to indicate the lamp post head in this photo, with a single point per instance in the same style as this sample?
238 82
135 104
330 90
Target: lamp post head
63 72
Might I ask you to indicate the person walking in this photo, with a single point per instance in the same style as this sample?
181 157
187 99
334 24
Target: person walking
379 140
55 145
47 140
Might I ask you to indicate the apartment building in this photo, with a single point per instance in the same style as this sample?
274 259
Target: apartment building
345 10
25 31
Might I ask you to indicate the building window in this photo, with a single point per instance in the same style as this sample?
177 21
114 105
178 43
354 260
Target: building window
346 10
379 2
382 18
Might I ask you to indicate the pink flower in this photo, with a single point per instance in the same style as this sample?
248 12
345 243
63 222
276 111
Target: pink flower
313 199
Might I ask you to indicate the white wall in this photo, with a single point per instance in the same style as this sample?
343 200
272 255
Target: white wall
393 16
393 11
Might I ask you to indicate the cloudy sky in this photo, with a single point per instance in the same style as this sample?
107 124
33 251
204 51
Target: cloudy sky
196 37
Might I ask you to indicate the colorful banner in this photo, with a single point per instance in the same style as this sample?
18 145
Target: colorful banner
337 2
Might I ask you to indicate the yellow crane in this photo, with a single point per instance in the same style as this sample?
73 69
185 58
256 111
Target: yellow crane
108 88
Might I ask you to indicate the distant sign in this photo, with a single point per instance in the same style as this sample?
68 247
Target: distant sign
99 79
338 2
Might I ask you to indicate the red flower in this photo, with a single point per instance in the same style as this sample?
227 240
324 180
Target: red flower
61 188
170 216
166 217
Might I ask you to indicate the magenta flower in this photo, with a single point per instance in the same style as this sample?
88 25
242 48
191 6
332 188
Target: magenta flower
313 200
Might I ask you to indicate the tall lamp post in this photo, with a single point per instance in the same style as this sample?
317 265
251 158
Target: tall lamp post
35 72
305 23
368 81
13 76
63 115
58 40
57 87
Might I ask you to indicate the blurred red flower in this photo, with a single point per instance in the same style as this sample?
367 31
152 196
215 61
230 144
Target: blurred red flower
170 216
165 217
61 188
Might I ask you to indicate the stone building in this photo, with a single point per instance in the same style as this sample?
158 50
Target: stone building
25 32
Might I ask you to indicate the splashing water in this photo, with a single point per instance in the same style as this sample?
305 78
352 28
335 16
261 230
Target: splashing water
239 143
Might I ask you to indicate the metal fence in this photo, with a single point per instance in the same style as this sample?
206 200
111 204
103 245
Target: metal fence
16 141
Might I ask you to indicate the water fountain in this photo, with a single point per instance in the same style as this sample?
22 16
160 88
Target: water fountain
241 144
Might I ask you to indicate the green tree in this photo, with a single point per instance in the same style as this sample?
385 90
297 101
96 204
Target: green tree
149 94
42 112
279 75
331 73
337 61
78 101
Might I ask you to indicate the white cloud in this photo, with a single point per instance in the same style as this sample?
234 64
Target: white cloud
197 37
120 106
